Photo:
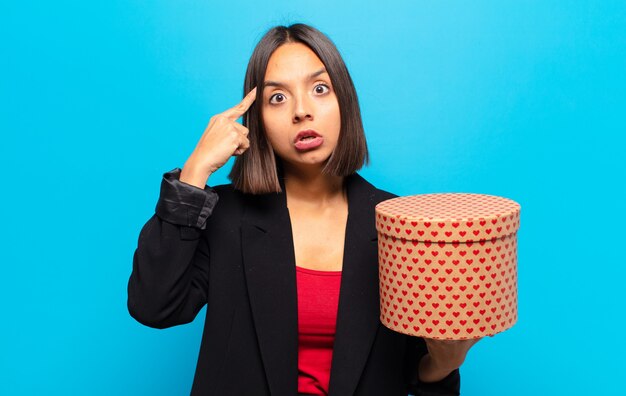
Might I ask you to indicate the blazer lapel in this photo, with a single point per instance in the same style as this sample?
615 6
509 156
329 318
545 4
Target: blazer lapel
358 314
269 263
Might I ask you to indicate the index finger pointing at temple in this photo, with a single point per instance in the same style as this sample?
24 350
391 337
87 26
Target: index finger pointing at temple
240 109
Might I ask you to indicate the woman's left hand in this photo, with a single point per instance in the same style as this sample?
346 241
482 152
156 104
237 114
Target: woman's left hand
444 356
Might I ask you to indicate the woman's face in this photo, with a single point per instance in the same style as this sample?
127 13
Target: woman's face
300 110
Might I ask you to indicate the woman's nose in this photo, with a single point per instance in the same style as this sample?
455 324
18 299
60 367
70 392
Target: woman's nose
302 109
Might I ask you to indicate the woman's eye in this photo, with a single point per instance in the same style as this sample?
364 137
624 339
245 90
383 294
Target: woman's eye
277 98
321 88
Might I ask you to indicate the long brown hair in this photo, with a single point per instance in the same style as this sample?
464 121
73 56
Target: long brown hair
258 169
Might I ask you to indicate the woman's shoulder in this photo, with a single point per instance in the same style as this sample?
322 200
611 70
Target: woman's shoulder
225 189
365 187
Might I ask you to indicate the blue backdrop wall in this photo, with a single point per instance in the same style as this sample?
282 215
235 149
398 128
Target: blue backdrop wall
523 99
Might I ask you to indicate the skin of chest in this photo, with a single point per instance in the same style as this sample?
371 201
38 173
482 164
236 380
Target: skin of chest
319 237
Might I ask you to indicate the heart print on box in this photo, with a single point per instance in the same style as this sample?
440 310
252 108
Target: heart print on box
448 264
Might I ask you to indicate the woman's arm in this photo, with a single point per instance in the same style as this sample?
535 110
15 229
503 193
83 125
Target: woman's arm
168 283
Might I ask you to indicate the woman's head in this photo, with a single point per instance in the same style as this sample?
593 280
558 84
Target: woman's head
306 86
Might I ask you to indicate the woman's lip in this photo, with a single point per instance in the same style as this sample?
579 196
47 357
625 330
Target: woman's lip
306 132
309 143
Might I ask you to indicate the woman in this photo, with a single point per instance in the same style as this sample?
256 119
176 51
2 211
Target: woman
287 260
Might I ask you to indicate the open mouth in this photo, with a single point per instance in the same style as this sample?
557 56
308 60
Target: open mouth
309 142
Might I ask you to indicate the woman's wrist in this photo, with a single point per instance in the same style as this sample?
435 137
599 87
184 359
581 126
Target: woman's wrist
194 176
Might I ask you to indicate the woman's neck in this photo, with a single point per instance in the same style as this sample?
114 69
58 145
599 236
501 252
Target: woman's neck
311 187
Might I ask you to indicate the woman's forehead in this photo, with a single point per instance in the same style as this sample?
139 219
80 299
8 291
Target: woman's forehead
293 62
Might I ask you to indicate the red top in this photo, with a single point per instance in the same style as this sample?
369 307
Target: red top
318 298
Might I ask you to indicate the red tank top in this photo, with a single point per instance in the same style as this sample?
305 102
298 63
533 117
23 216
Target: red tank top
318 298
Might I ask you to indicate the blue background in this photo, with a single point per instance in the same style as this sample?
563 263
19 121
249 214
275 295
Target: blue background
523 99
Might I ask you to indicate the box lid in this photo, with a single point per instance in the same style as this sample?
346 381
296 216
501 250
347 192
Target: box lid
448 217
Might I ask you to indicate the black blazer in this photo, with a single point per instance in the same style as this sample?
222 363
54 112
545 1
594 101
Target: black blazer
237 256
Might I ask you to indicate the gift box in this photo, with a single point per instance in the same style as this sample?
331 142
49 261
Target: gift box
448 264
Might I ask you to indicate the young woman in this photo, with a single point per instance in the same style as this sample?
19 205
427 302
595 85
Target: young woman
286 261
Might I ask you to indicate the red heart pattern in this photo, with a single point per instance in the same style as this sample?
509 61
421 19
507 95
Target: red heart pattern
448 264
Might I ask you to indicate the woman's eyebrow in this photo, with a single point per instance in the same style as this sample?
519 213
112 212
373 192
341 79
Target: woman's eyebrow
311 76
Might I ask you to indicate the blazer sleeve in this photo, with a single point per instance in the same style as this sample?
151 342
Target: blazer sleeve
169 280
449 386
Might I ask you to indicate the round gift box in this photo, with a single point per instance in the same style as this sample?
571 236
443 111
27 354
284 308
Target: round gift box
448 264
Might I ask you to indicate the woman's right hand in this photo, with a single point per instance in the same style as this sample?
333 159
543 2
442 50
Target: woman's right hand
222 138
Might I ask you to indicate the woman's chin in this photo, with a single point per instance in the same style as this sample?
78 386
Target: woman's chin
308 164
